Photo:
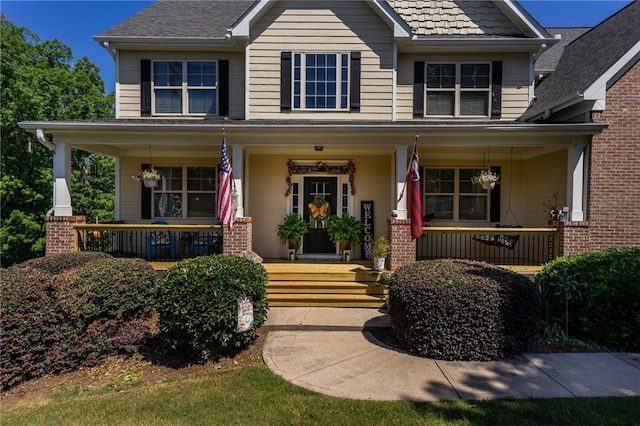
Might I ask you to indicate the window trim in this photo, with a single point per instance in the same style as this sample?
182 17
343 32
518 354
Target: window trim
456 194
339 95
458 89
184 192
185 88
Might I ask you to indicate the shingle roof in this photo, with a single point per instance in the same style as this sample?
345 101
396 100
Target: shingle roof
182 19
550 57
587 58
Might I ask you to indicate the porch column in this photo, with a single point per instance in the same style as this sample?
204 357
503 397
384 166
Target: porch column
61 237
238 240
238 161
400 211
403 248
62 180
577 182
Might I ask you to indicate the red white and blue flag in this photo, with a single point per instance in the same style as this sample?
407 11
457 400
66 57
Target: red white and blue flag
414 185
224 202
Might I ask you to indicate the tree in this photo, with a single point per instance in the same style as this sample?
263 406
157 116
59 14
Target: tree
40 81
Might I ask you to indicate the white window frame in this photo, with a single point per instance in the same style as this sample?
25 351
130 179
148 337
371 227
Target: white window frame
457 89
339 94
457 194
184 87
184 192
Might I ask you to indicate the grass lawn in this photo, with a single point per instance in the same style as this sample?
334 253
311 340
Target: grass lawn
252 395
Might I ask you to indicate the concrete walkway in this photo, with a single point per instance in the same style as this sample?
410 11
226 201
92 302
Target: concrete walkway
332 351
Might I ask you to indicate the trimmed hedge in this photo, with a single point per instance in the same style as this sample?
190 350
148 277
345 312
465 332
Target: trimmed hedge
57 263
198 304
55 323
463 310
607 312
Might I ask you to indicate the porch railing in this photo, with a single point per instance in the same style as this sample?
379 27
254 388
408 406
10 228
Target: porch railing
499 246
158 243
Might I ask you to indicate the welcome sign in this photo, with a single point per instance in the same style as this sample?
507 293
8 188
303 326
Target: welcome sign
366 217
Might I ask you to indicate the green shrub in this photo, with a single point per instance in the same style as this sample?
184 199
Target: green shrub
198 304
56 263
34 335
56 323
463 310
607 312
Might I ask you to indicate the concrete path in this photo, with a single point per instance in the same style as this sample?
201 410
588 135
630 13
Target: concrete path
332 351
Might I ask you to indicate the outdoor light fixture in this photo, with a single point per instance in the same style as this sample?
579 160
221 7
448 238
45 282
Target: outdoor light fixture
318 147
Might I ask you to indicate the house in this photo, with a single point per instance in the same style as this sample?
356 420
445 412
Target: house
322 101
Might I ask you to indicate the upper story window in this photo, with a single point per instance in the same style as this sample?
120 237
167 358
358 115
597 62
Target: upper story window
321 81
458 90
450 194
185 192
185 87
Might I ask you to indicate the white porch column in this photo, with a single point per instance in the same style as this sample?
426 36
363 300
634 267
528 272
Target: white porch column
238 161
62 180
577 187
400 211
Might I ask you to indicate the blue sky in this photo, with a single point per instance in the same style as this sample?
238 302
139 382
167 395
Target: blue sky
76 22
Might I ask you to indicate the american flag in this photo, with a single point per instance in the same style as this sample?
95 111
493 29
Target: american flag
223 205
415 189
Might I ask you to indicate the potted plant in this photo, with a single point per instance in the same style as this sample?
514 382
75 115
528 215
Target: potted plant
552 211
291 231
487 179
149 177
344 230
379 251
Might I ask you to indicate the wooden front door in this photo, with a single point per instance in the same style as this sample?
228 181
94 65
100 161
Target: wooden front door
320 202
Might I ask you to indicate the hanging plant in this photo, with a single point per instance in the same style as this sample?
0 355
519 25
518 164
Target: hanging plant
149 177
486 179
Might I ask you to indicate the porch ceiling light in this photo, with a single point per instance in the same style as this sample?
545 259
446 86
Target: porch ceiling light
318 147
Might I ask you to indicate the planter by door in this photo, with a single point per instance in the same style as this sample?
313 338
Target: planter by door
378 263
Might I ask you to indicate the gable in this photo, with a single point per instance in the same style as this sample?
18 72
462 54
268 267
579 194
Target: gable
452 18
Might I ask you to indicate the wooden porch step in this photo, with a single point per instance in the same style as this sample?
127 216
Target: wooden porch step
326 300
329 287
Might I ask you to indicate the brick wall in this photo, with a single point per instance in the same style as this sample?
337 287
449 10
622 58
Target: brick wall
238 240
60 235
614 176
403 249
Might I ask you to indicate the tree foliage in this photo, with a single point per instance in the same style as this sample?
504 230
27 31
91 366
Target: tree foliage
39 81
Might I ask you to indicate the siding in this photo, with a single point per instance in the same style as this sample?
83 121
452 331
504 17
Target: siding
267 204
311 27
544 176
515 80
129 89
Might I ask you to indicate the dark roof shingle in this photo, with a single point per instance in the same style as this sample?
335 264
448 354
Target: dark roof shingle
550 57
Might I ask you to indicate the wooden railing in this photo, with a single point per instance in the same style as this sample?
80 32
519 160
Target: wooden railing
499 246
159 243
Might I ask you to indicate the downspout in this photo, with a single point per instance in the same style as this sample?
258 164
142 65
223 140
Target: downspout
105 46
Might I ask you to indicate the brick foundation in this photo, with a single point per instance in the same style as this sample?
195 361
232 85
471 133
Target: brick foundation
238 240
403 249
60 235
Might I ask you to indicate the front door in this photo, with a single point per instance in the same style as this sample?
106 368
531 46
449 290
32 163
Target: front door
319 204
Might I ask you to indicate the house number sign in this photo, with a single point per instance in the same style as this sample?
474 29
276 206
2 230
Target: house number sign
366 217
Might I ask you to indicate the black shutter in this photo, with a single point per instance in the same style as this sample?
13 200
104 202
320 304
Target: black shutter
354 86
145 87
418 89
285 81
145 201
496 89
223 87
494 206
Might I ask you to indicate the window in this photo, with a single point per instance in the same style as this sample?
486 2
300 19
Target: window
185 192
450 194
185 87
458 89
321 81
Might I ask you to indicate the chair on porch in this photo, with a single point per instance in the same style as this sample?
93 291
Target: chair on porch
160 240
203 244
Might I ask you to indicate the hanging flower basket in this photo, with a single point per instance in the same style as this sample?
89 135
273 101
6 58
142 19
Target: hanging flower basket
148 177
150 183
486 179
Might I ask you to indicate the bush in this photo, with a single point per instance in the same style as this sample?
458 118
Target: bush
56 263
198 304
607 312
52 324
463 310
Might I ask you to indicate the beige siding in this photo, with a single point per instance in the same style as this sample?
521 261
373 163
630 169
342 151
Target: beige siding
515 80
267 204
543 177
130 189
129 89
315 27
